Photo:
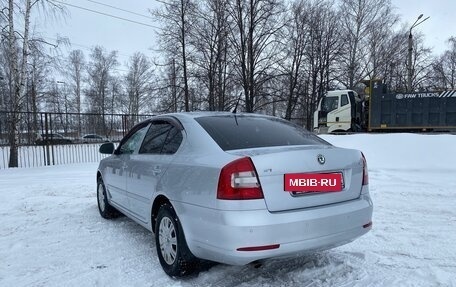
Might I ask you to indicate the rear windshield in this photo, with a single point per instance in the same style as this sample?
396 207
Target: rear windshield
242 131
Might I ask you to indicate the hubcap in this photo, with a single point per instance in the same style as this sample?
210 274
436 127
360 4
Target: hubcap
168 240
101 198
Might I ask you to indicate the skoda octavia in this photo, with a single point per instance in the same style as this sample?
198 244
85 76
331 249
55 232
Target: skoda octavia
234 188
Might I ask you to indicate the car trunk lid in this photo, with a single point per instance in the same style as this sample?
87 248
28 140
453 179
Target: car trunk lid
273 163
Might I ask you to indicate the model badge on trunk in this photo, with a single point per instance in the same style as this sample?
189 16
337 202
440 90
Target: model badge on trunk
321 159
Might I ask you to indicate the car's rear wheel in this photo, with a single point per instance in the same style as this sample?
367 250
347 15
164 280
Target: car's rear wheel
173 253
105 209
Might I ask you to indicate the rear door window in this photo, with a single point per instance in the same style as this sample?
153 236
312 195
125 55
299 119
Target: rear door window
243 131
162 137
173 141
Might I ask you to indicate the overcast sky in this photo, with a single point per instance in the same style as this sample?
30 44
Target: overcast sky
85 29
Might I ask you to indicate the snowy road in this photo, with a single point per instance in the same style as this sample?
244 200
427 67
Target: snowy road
52 235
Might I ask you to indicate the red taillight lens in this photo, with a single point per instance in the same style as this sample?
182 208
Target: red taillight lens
238 180
365 173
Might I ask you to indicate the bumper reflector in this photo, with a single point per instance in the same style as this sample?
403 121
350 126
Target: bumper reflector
259 248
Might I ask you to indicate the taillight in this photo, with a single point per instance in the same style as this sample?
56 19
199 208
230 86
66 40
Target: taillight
365 173
238 180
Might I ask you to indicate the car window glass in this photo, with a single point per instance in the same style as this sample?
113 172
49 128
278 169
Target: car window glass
344 100
130 145
240 132
173 141
155 138
329 104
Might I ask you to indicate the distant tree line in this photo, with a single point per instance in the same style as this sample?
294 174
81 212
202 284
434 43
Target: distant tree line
271 56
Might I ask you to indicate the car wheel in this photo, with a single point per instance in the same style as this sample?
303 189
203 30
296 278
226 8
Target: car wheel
173 253
105 209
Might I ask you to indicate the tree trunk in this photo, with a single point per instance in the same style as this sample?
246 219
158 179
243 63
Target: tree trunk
13 160
184 58
251 61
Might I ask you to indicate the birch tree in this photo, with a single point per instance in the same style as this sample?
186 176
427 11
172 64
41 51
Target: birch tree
76 66
17 74
17 52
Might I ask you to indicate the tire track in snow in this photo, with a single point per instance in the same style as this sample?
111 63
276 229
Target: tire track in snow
319 269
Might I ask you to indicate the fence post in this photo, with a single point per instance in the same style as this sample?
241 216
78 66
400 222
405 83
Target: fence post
51 142
46 136
124 124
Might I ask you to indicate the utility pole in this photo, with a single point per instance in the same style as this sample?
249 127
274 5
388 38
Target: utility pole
410 52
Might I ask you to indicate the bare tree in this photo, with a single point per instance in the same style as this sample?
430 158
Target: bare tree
444 68
39 69
75 71
210 41
393 70
100 74
17 53
358 19
381 48
76 66
323 50
102 87
255 45
138 83
167 94
17 75
175 18
421 64
313 45
294 54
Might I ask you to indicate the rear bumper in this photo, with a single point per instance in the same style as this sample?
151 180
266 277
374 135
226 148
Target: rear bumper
217 234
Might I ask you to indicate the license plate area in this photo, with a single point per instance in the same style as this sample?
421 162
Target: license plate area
311 183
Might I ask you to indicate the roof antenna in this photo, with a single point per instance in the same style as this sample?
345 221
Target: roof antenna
237 104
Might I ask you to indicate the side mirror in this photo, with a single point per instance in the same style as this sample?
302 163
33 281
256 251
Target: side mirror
107 148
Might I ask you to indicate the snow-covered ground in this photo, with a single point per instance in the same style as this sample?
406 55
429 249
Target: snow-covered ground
52 235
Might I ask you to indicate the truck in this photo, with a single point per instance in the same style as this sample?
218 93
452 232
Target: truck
378 110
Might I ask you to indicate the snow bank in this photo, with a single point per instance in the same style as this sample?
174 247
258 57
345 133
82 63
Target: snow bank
402 151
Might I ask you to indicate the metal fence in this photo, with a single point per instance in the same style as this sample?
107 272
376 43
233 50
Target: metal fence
35 156
61 138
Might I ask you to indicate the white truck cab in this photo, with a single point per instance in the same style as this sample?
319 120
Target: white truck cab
338 111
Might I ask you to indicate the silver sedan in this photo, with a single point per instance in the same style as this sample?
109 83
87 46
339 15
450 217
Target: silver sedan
234 188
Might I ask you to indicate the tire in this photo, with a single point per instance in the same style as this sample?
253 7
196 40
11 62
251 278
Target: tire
172 250
105 209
